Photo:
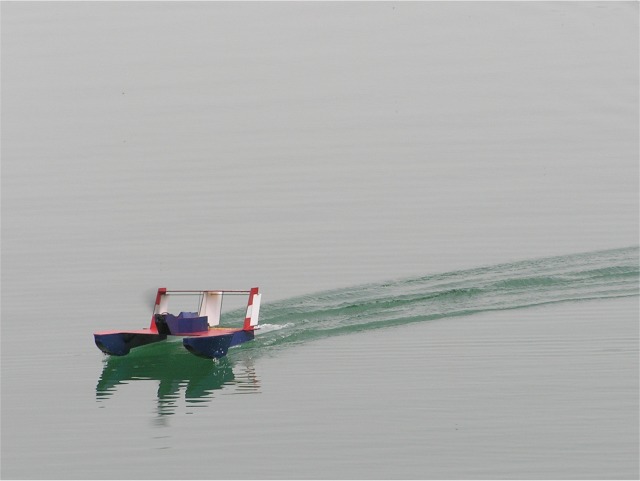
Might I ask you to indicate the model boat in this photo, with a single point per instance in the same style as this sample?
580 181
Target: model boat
202 335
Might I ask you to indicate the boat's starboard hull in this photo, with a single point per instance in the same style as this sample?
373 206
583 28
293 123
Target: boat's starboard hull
215 346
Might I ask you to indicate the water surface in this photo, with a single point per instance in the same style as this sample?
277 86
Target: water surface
439 201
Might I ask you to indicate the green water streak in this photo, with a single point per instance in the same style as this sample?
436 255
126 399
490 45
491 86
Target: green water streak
578 277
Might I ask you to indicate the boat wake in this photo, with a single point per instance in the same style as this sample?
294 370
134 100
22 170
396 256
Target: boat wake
578 277
264 328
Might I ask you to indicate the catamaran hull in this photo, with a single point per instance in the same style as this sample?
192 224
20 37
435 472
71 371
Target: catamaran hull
208 346
120 343
214 347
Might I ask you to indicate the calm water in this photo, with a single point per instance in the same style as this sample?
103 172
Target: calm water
523 370
438 200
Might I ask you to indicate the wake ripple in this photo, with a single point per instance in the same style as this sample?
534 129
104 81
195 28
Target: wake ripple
578 277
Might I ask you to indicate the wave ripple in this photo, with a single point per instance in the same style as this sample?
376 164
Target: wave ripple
577 277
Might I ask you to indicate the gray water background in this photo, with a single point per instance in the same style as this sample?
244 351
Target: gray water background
301 147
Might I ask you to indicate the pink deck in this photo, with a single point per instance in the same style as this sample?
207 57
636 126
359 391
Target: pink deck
215 331
212 332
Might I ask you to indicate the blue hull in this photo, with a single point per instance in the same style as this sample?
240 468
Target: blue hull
120 343
216 347
210 347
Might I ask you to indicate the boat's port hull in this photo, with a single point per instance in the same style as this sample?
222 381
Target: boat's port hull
120 343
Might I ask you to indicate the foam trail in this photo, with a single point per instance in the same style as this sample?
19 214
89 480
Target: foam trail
594 275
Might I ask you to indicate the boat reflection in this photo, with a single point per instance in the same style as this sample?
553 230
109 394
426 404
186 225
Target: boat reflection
176 370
